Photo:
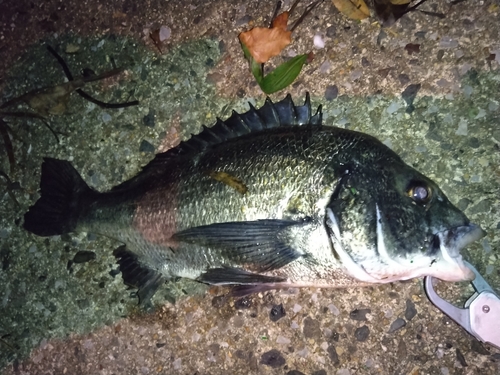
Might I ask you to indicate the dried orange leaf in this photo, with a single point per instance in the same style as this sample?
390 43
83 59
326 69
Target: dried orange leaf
281 21
264 43
354 9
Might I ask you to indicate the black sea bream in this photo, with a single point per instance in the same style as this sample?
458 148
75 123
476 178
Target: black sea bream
266 199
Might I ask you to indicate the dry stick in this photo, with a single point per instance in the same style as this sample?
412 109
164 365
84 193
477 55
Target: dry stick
308 10
9 190
293 7
414 7
8 144
82 93
275 13
32 115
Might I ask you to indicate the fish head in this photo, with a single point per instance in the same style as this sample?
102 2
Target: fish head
388 222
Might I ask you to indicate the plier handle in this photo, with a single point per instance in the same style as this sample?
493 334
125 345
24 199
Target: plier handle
481 313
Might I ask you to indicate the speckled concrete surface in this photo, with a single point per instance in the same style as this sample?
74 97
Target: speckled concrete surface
62 318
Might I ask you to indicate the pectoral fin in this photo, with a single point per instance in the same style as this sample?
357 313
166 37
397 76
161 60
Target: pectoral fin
263 245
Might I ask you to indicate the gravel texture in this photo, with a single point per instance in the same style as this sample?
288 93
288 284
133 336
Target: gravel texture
427 87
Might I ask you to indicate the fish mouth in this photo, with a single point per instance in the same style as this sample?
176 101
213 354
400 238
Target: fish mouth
449 243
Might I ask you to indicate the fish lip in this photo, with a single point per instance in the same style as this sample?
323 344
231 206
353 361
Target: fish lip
449 243
455 239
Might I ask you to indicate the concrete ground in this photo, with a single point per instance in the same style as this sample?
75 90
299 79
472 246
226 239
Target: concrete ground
63 306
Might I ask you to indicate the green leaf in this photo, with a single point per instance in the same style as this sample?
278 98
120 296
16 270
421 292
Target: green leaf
283 75
255 67
280 77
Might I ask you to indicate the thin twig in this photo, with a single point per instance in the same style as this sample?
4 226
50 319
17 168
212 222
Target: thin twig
82 93
275 13
32 115
308 10
8 144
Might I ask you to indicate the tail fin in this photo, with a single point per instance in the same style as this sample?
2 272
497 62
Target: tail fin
62 189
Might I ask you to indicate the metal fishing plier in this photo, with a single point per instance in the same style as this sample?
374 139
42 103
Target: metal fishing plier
481 313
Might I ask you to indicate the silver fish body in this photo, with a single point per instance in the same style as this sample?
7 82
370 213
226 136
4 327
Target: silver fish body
266 199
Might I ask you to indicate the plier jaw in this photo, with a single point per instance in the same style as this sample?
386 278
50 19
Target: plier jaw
481 313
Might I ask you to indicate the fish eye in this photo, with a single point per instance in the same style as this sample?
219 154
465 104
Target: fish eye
420 192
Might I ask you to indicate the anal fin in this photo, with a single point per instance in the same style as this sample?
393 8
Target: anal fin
135 274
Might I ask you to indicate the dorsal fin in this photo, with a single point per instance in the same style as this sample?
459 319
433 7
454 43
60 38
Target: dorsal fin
270 115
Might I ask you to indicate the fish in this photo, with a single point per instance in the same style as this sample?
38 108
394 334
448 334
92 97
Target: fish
266 199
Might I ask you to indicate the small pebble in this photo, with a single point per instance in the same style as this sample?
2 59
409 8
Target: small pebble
302 352
362 333
332 354
410 311
447 42
325 67
84 256
243 303
106 117
149 119
359 314
164 33
442 82
277 312
492 106
478 347
486 246
318 41
356 74
461 358
272 358
404 79
474 142
465 68
468 90
393 107
397 324
333 309
412 48
489 269
331 31
146 147
462 128
243 20
283 340
177 364
331 92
